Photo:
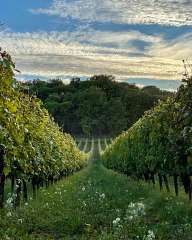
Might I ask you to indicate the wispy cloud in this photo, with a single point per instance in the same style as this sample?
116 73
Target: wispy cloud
169 12
178 48
52 55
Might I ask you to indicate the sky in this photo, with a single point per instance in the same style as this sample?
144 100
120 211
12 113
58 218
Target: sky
137 41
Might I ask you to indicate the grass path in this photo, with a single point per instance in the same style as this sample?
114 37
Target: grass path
97 203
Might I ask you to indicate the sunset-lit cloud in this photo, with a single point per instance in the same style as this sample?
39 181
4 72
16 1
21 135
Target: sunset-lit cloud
49 54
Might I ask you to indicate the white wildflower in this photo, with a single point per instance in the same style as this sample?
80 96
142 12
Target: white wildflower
10 201
135 210
20 220
116 221
102 195
9 214
130 217
150 235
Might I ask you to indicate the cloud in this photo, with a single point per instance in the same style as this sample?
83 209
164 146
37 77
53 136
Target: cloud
140 85
177 49
169 12
51 54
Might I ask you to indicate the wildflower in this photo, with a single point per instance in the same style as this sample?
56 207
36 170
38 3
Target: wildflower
135 210
116 221
19 182
9 214
150 235
130 217
102 195
83 189
20 220
10 201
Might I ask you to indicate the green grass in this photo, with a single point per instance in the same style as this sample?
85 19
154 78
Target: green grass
95 204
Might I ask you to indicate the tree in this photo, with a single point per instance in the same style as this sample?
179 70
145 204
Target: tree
96 106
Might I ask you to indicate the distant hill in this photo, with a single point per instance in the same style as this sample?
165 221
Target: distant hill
97 106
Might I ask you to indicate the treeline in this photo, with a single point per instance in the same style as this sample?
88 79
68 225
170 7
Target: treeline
159 145
33 148
97 106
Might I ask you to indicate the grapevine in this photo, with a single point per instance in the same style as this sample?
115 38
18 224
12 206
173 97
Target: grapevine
32 146
159 145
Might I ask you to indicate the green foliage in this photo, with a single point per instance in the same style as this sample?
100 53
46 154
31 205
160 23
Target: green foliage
36 146
159 143
99 204
95 107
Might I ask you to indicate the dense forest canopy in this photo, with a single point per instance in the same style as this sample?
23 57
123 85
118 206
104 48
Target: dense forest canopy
97 106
